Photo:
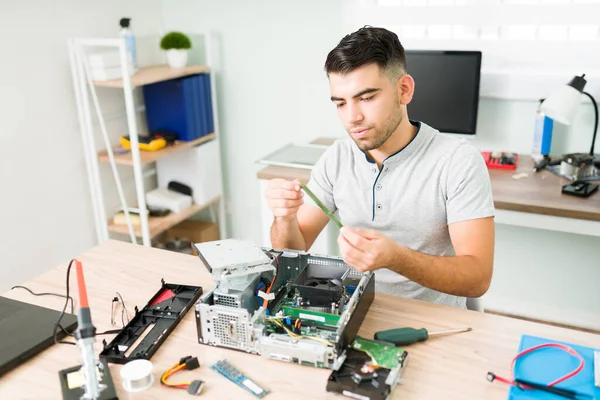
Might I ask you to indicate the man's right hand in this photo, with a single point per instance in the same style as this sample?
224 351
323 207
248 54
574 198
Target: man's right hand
284 198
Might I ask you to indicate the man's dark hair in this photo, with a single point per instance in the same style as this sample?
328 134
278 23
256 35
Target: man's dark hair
366 46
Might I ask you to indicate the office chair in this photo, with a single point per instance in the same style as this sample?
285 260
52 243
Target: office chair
475 304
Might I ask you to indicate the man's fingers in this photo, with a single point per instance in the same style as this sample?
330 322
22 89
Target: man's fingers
284 194
354 238
367 233
282 203
348 250
287 185
355 263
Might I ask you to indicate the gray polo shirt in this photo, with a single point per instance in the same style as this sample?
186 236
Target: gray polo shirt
434 181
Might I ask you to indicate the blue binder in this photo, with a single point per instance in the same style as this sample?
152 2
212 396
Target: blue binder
547 364
182 105
208 102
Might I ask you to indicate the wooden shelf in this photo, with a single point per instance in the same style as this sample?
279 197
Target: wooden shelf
158 225
158 73
148 157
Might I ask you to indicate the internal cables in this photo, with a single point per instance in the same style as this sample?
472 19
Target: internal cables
296 335
194 387
548 387
268 292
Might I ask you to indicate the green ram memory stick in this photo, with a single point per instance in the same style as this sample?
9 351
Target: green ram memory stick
321 205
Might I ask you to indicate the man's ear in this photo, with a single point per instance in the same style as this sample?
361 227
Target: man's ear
405 87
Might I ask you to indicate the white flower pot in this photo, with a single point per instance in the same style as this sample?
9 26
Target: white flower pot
177 58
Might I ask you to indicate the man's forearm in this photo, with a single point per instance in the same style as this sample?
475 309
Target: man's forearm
286 234
458 275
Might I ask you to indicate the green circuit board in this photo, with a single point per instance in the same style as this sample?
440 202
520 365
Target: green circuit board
384 355
319 318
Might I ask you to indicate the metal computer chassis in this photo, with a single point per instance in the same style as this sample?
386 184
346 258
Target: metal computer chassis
229 315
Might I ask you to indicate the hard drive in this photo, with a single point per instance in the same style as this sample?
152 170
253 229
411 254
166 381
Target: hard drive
359 378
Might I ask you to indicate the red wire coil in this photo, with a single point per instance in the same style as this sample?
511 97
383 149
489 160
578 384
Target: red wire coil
532 349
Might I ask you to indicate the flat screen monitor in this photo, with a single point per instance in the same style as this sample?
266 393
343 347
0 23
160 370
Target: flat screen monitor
446 93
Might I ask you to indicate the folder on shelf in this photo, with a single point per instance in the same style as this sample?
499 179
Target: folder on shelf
547 364
181 105
208 103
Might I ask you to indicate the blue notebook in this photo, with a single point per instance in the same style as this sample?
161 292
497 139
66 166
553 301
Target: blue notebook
550 363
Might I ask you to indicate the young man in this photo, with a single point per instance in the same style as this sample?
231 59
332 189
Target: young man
416 205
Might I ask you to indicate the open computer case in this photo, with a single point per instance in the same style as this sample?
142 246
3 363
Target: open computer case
286 305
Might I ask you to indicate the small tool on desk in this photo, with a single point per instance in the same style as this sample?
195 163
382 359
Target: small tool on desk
566 393
321 205
406 336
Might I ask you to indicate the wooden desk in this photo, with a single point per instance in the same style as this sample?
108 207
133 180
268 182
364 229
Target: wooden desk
451 367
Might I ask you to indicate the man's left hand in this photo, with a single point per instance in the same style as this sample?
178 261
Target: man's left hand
367 250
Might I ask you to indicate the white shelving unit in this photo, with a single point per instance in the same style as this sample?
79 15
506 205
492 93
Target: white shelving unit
88 104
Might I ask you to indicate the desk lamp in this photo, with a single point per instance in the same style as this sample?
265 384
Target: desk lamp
561 106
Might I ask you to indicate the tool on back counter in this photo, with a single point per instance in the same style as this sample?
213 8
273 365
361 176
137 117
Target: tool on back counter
92 379
578 166
499 159
580 188
543 163
406 336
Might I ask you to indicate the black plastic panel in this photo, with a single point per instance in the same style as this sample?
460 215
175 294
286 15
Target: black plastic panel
159 317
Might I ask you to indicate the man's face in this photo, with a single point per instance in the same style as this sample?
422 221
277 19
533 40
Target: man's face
368 105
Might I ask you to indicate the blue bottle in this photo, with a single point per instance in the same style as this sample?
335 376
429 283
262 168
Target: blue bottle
127 33
542 137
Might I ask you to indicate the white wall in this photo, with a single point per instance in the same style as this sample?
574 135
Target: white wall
45 202
272 88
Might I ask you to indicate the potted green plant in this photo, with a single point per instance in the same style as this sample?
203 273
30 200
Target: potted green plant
176 45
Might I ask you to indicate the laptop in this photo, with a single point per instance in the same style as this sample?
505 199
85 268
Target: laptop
295 156
26 330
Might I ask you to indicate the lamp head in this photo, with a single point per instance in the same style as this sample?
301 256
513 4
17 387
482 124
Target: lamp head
562 104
